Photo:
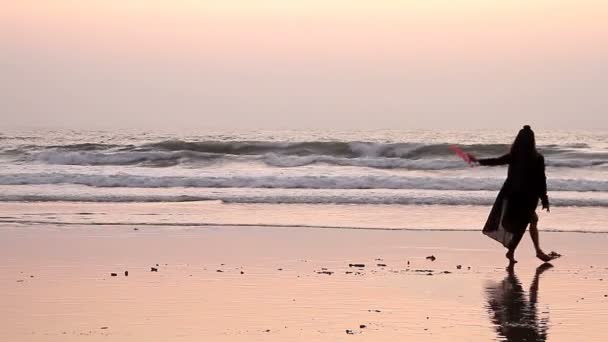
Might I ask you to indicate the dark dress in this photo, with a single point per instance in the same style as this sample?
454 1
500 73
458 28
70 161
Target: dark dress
517 200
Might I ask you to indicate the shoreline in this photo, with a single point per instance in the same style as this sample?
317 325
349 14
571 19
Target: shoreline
280 284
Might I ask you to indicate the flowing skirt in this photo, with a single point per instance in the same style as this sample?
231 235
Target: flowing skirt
509 217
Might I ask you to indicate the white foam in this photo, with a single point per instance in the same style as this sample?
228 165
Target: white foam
289 182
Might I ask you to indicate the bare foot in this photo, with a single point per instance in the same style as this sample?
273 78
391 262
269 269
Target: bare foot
547 257
511 256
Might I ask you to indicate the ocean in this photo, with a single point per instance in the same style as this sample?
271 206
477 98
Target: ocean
385 179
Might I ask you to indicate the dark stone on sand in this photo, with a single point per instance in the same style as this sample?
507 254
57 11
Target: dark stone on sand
33 277
447 272
429 274
348 272
349 332
326 272
219 271
242 272
153 269
381 265
103 328
458 267
374 310
113 274
20 281
362 326
408 262
423 271
279 269
267 330
157 265
431 257
356 265
135 228
126 273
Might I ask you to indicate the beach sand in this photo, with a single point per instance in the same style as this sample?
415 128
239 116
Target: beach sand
294 284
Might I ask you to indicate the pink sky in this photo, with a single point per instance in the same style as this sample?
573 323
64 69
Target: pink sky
320 64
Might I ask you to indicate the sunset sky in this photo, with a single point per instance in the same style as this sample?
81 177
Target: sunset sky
336 64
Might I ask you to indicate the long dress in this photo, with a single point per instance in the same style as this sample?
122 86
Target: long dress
517 200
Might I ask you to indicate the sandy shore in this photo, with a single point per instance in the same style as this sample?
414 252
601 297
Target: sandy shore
294 284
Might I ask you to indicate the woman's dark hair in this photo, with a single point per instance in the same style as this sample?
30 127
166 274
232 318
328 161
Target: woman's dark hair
524 145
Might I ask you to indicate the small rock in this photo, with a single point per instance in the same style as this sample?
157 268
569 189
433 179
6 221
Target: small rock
408 262
431 257
348 272
381 265
242 272
113 274
458 267
362 326
469 268
267 330
103 328
157 265
356 265
349 332
135 228
446 272
325 272
219 271
126 273
33 277
279 269
374 311
153 269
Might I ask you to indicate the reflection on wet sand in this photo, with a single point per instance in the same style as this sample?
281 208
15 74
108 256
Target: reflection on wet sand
515 317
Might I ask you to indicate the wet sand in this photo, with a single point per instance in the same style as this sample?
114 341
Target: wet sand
294 284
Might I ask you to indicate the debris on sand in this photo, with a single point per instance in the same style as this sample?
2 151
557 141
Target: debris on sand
135 228
153 269
372 310
349 332
447 272
242 272
356 265
362 326
458 267
325 272
431 257
267 330
381 265
103 328
219 271
113 274
126 273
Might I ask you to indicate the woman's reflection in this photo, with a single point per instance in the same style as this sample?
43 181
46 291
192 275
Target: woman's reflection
515 318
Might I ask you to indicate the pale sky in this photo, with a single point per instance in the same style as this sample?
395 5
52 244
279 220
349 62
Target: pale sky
329 64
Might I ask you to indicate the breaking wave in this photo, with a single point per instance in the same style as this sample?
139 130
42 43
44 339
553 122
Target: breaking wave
289 182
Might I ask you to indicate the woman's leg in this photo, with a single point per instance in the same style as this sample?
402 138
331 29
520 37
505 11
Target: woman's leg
512 246
535 239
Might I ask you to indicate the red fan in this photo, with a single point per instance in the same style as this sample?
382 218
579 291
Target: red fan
461 154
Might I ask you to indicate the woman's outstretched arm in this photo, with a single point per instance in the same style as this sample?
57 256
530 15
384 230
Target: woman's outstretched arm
502 160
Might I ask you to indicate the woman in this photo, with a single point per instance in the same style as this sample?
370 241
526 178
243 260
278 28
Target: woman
516 203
